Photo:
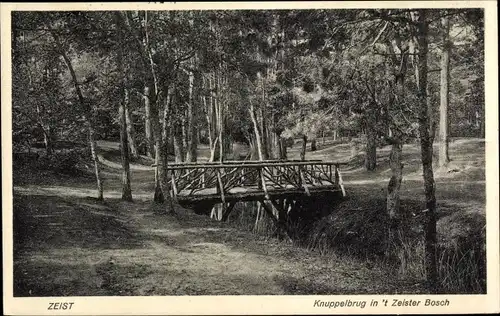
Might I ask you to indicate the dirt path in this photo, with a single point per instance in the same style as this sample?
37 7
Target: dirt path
77 246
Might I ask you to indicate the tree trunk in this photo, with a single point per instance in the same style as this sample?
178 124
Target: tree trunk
124 145
89 116
162 188
258 216
426 152
283 150
444 93
263 135
254 155
166 122
147 122
219 120
371 150
158 196
130 128
371 141
46 130
191 155
212 143
394 186
124 148
304 144
313 144
95 158
162 144
184 136
47 140
256 131
178 145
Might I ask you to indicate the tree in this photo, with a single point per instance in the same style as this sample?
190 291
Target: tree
445 87
89 111
421 44
123 105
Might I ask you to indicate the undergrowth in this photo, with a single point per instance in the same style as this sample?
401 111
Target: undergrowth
65 162
359 229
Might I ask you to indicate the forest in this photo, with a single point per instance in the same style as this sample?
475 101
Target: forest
396 91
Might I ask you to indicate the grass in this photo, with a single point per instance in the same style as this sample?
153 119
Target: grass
66 243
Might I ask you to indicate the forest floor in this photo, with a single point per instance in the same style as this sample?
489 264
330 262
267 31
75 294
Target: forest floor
68 244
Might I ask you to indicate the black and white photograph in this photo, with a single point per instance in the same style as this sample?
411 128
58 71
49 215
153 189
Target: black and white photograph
250 152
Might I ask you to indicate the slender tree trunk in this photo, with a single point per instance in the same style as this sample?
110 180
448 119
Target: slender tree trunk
46 130
260 154
124 145
371 145
191 155
395 138
212 144
166 122
279 148
313 144
124 148
95 158
130 127
147 122
220 121
283 151
253 148
89 116
256 131
47 139
158 196
394 186
162 191
264 138
178 144
192 108
445 86
161 173
304 145
426 151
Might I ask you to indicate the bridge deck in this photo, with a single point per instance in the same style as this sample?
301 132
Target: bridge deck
251 193
255 180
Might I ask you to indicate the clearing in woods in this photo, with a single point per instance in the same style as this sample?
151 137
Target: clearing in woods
68 244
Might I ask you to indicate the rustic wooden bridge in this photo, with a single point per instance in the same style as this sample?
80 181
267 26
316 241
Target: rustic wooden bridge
279 185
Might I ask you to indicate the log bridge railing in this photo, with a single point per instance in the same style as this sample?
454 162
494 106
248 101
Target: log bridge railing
252 180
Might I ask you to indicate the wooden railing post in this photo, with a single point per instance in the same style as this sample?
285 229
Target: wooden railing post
303 181
338 179
336 175
220 190
263 182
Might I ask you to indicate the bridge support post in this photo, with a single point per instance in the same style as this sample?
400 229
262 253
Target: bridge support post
227 211
280 221
219 209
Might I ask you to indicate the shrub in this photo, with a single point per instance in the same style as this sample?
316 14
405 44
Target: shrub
68 162
360 228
